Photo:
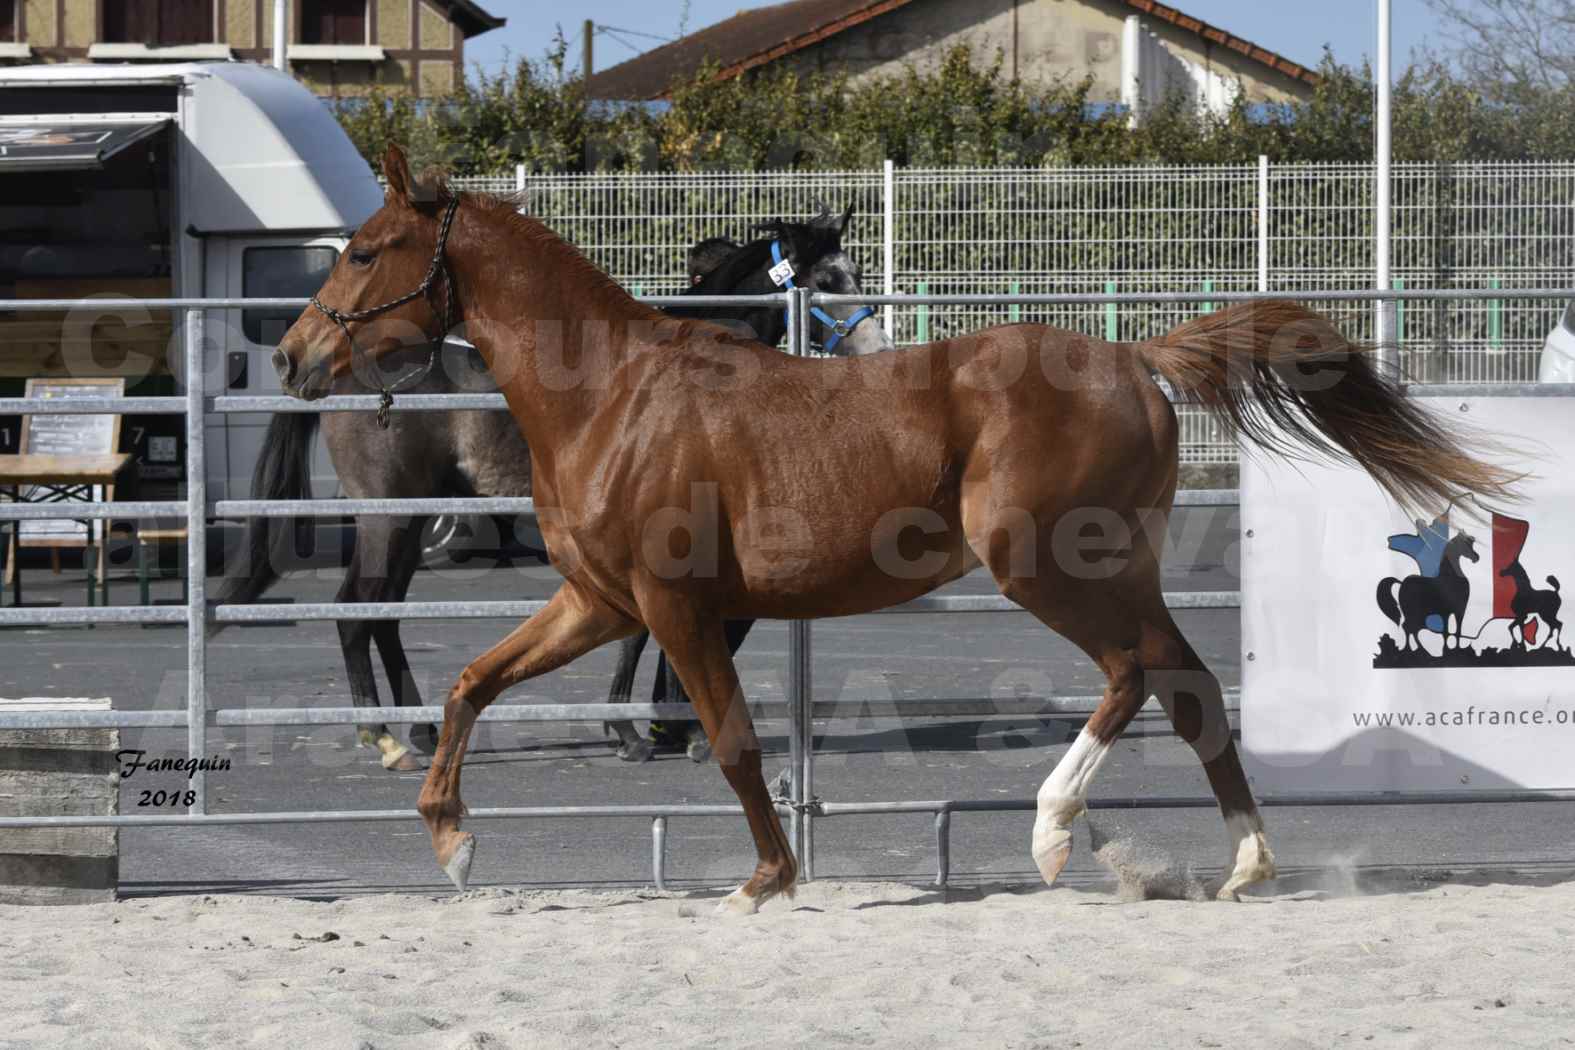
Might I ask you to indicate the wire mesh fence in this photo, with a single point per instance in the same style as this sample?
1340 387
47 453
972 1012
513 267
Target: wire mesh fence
1130 229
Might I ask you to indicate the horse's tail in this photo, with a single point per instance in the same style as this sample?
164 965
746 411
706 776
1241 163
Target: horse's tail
283 471
1386 598
1284 376
1553 581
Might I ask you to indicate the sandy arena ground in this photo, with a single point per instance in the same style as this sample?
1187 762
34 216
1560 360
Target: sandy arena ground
1397 961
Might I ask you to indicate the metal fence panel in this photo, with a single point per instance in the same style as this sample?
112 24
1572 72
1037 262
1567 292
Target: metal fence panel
801 807
1130 229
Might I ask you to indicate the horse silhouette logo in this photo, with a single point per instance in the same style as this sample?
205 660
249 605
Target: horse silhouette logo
1454 583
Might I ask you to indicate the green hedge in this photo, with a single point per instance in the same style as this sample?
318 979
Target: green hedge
965 113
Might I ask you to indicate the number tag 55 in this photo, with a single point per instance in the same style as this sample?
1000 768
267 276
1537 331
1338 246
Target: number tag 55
782 273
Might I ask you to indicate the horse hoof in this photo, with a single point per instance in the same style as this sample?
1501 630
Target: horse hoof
424 738
458 867
636 750
405 763
699 750
396 756
1052 849
738 903
1252 864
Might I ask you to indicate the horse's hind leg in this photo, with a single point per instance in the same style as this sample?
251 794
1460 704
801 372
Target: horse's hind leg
1137 644
632 747
1064 793
1191 697
404 556
572 624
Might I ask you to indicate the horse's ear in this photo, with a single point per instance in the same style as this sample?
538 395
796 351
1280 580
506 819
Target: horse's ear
396 169
847 217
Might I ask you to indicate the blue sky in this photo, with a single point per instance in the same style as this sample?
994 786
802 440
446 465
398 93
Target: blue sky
1294 28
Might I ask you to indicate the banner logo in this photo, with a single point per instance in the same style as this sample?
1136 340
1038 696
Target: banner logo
1433 609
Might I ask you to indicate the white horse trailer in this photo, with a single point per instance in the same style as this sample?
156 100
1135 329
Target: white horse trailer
216 180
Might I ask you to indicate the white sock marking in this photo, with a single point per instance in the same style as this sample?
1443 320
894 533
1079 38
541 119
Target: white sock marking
1061 799
1250 858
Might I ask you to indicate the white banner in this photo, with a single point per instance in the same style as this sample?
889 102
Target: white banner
1381 652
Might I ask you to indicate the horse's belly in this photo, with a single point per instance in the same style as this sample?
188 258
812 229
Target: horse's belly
888 566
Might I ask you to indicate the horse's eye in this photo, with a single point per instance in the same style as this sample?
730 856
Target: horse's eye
359 257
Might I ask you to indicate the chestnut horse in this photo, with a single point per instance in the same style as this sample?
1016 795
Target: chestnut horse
793 488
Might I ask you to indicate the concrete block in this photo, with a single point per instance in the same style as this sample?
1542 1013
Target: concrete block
58 772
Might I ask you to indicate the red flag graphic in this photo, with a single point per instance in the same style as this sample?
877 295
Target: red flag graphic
1509 538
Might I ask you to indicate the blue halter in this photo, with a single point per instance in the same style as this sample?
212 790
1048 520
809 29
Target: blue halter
839 330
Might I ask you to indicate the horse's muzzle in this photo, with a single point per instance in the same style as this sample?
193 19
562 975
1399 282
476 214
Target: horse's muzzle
285 366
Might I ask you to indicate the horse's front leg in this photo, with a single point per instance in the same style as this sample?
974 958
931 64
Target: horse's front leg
365 581
573 623
696 644
404 557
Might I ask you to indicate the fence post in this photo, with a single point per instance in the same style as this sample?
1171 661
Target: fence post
1014 312
1112 327
196 564
519 178
1496 318
1263 223
1399 283
1207 308
889 245
943 847
801 730
659 853
922 328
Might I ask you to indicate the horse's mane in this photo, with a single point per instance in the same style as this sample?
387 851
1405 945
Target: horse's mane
432 185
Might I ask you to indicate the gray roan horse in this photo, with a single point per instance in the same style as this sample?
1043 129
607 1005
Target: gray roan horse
424 455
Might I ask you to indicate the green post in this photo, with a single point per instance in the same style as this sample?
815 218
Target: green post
1014 312
1496 318
1207 307
1399 284
924 314
1111 327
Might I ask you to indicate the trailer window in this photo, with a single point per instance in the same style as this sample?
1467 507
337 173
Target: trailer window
333 21
8 21
280 273
161 23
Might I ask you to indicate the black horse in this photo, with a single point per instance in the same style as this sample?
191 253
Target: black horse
423 455
1444 595
1529 602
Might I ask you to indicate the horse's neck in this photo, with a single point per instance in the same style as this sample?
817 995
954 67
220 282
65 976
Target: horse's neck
551 328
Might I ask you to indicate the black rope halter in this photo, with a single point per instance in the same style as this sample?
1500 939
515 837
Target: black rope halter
439 268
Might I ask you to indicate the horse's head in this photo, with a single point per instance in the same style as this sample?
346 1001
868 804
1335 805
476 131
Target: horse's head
390 289
815 250
1463 545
